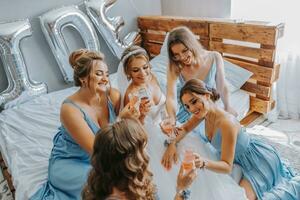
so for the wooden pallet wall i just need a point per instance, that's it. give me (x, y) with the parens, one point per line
(250, 45)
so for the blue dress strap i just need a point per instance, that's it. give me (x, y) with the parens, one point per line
(112, 113)
(69, 101)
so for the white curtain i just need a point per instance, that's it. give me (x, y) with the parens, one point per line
(287, 89)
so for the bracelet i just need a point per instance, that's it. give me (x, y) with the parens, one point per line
(169, 141)
(184, 194)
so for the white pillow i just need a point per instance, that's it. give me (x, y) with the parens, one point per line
(159, 66)
(235, 76)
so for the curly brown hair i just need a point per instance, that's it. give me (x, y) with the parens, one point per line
(120, 161)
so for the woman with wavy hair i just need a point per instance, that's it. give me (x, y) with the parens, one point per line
(93, 106)
(121, 165)
(265, 175)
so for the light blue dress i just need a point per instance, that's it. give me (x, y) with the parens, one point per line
(262, 167)
(182, 114)
(69, 164)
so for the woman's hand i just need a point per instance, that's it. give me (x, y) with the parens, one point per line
(199, 161)
(129, 111)
(144, 108)
(170, 156)
(185, 180)
(167, 126)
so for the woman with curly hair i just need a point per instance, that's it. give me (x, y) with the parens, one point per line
(94, 105)
(121, 165)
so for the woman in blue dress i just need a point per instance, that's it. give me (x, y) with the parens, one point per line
(265, 176)
(187, 60)
(92, 107)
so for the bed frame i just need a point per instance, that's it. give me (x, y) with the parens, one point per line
(249, 44)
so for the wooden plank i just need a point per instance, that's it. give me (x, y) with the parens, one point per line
(257, 89)
(250, 117)
(244, 32)
(257, 53)
(166, 24)
(152, 48)
(159, 38)
(260, 73)
(260, 105)
(153, 37)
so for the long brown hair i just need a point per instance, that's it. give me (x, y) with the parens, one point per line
(186, 37)
(82, 61)
(199, 87)
(119, 161)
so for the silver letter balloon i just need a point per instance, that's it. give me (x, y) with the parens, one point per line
(19, 83)
(109, 27)
(53, 22)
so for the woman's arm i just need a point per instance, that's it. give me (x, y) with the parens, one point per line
(79, 130)
(171, 99)
(126, 98)
(221, 85)
(115, 97)
(187, 127)
(229, 132)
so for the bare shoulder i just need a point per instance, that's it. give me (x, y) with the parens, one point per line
(69, 112)
(229, 124)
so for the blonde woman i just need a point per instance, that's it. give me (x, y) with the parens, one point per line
(187, 60)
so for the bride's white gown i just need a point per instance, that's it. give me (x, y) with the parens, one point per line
(207, 186)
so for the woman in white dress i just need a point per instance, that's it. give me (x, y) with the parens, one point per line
(151, 104)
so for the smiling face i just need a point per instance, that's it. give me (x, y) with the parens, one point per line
(196, 104)
(139, 70)
(182, 54)
(98, 78)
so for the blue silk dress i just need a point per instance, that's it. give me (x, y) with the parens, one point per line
(69, 164)
(182, 114)
(262, 167)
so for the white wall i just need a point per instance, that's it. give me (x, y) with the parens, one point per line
(197, 8)
(41, 63)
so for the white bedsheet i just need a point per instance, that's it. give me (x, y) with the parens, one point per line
(26, 134)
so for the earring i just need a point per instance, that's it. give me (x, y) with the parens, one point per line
(128, 77)
(83, 84)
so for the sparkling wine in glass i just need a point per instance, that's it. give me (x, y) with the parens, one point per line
(188, 161)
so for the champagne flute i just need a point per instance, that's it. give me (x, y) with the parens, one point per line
(168, 126)
(188, 160)
(144, 96)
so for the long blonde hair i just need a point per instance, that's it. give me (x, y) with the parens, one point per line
(130, 54)
(186, 37)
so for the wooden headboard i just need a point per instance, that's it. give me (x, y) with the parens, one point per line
(250, 44)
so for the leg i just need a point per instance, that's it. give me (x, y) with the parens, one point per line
(248, 189)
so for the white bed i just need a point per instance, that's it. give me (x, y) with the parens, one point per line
(26, 133)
